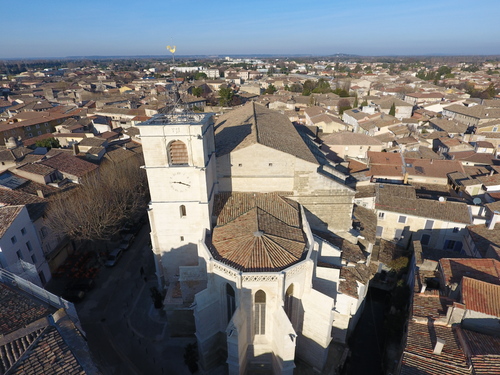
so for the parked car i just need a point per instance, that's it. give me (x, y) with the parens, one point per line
(113, 257)
(126, 241)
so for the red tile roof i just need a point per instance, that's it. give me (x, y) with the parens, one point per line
(70, 164)
(484, 352)
(419, 350)
(454, 270)
(257, 232)
(17, 311)
(481, 296)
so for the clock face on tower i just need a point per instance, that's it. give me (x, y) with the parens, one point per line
(179, 181)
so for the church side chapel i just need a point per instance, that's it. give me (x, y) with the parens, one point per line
(233, 205)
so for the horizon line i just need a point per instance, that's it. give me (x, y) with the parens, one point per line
(268, 55)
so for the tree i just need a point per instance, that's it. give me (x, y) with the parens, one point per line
(343, 105)
(197, 91)
(322, 87)
(355, 105)
(48, 143)
(102, 203)
(392, 111)
(271, 89)
(225, 96)
(296, 87)
(200, 75)
(308, 87)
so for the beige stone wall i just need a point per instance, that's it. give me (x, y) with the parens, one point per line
(441, 230)
(261, 169)
(255, 168)
(354, 151)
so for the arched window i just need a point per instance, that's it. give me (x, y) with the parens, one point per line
(260, 313)
(182, 210)
(230, 302)
(289, 302)
(177, 153)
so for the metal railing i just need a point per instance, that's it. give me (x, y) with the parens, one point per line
(43, 295)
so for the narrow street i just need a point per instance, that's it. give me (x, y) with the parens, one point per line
(367, 341)
(126, 334)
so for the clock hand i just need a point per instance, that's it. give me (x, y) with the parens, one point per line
(182, 183)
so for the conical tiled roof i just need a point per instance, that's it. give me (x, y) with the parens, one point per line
(257, 232)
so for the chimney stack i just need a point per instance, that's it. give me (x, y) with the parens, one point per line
(438, 348)
(40, 194)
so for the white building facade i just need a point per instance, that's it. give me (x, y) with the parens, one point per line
(231, 213)
(20, 249)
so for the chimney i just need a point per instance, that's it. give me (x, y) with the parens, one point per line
(432, 161)
(75, 149)
(438, 348)
(493, 220)
(424, 287)
(492, 172)
(40, 194)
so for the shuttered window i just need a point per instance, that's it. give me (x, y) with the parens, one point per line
(177, 153)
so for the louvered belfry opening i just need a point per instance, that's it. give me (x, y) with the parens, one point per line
(178, 153)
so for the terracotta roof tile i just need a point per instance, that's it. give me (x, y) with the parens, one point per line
(253, 124)
(257, 232)
(402, 199)
(487, 270)
(484, 352)
(419, 349)
(17, 310)
(70, 164)
(481, 296)
(37, 168)
(7, 216)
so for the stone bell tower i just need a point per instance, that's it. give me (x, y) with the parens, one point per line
(179, 152)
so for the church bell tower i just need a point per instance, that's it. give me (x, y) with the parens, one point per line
(179, 153)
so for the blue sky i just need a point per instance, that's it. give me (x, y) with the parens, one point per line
(58, 28)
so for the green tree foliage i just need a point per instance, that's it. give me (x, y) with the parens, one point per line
(443, 70)
(399, 264)
(471, 69)
(322, 87)
(308, 87)
(355, 105)
(343, 93)
(197, 91)
(225, 96)
(271, 89)
(48, 143)
(392, 111)
(200, 75)
(364, 103)
(296, 87)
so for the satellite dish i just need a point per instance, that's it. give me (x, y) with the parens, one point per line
(477, 201)
(441, 199)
